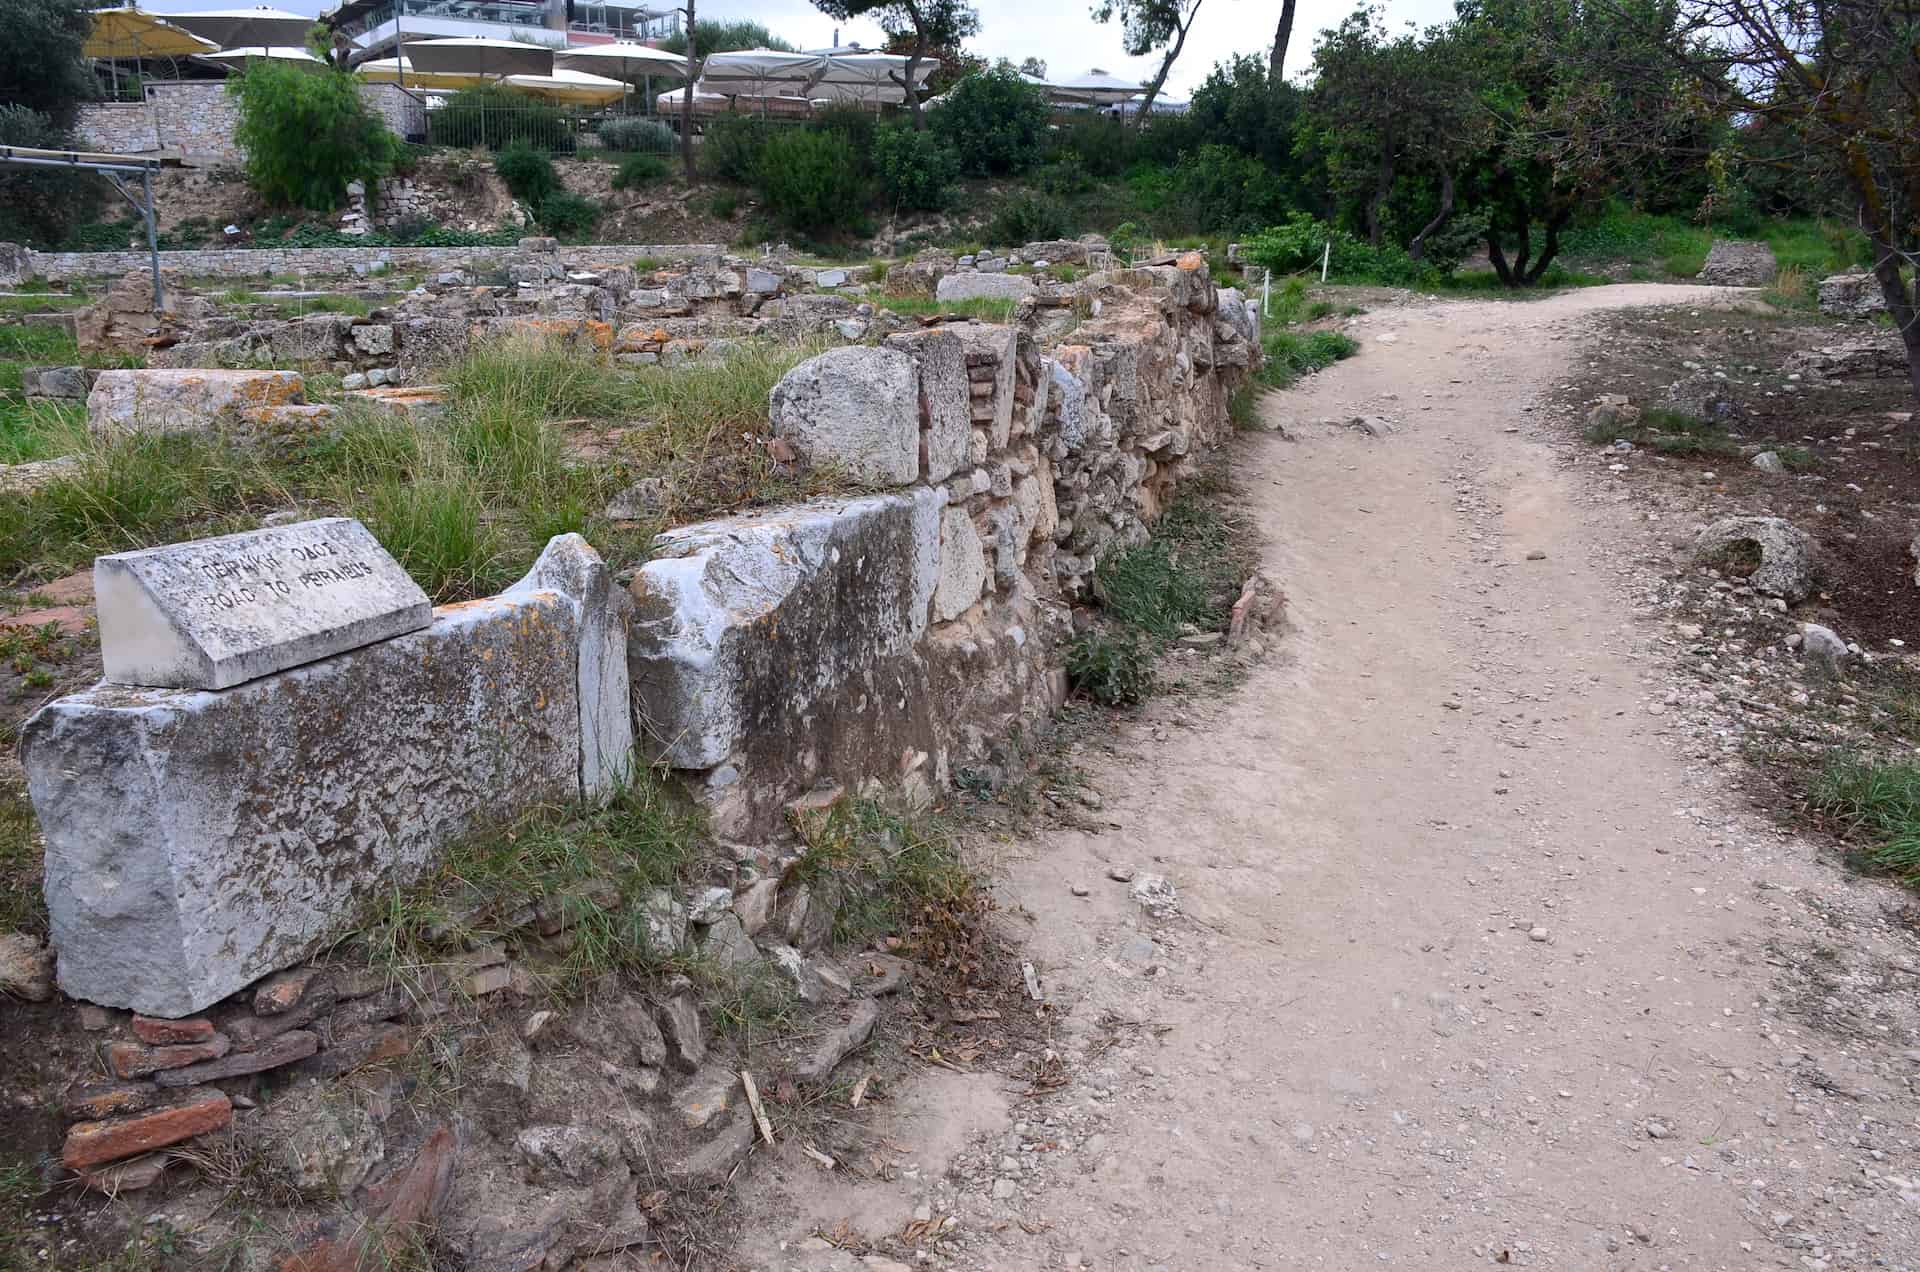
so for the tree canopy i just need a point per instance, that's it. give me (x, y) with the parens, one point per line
(40, 63)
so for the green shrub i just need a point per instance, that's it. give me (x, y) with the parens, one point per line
(497, 117)
(640, 170)
(568, 215)
(1297, 243)
(1878, 803)
(1097, 143)
(1288, 355)
(1115, 668)
(639, 136)
(731, 148)
(915, 168)
(724, 205)
(306, 135)
(41, 206)
(809, 180)
(529, 174)
(1028, 218)
(1066, 176)
(1222, 189)
(994, 120)
(857, 124)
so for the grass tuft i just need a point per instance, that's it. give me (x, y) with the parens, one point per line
(893, 874)
(1876, 804)
(1290, 355)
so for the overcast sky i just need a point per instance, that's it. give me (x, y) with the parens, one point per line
(1059, 32)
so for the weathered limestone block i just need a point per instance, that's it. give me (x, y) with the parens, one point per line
(197, 841)
(1850, 296)
(215, 612)
(185, 401)
(857, 408)
(743, 625)
(1779, 557)
(373, 339)
(940, 361)
(963, 566)
(571, 567)
(55, 382)
(319, 339)
(16, 264)
(427, 344)
(976, 286)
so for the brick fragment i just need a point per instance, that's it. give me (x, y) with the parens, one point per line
(110, 1099)
(163, 1033)
(283, 991)
(137, 1060)
(91, 1144)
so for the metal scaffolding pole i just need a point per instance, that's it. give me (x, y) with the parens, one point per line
(115, 168)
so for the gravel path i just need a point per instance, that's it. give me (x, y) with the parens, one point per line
(1471, 964)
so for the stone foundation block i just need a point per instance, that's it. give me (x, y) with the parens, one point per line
(741, 624)
(185, 401)
(199, 840)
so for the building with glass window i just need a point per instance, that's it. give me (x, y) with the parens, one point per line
(381, 26)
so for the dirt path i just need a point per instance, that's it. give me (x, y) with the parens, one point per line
(1472, 965)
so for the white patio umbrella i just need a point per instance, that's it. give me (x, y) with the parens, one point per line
(624, 59)
(475, 55)
(571, 86)
(237, 59)
(867, 77)
(760, 72)
(1094, 86)
(259, 27)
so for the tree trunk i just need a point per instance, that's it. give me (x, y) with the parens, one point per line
(1166, 65)
(1498, 257)
(1276, 61)
(686, 102)
(1555, 222)
(1382, 187)
(1901, 300)
(913, 67)
(1417, 249)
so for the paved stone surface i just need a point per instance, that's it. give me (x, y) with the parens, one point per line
(213, 613)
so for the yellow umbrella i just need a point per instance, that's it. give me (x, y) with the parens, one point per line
(395, 70)
(131, 32)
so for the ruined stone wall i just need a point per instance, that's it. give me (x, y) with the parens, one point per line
(319, 262)
(904, 637)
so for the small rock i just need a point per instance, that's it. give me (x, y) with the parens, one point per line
(1156, 894)
(1003, 1189)
(679, 1021)
(1822, 644)
(1769, 462)
(1120, 874)
(1537, 934)
(1536, 555)
(1658, 1130)
(1079, 889)
(26, 967)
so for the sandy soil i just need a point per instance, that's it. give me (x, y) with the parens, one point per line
(1471, 965)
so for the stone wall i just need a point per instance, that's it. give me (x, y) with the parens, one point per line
(317, 262)
(901, 637)
(120, 128)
